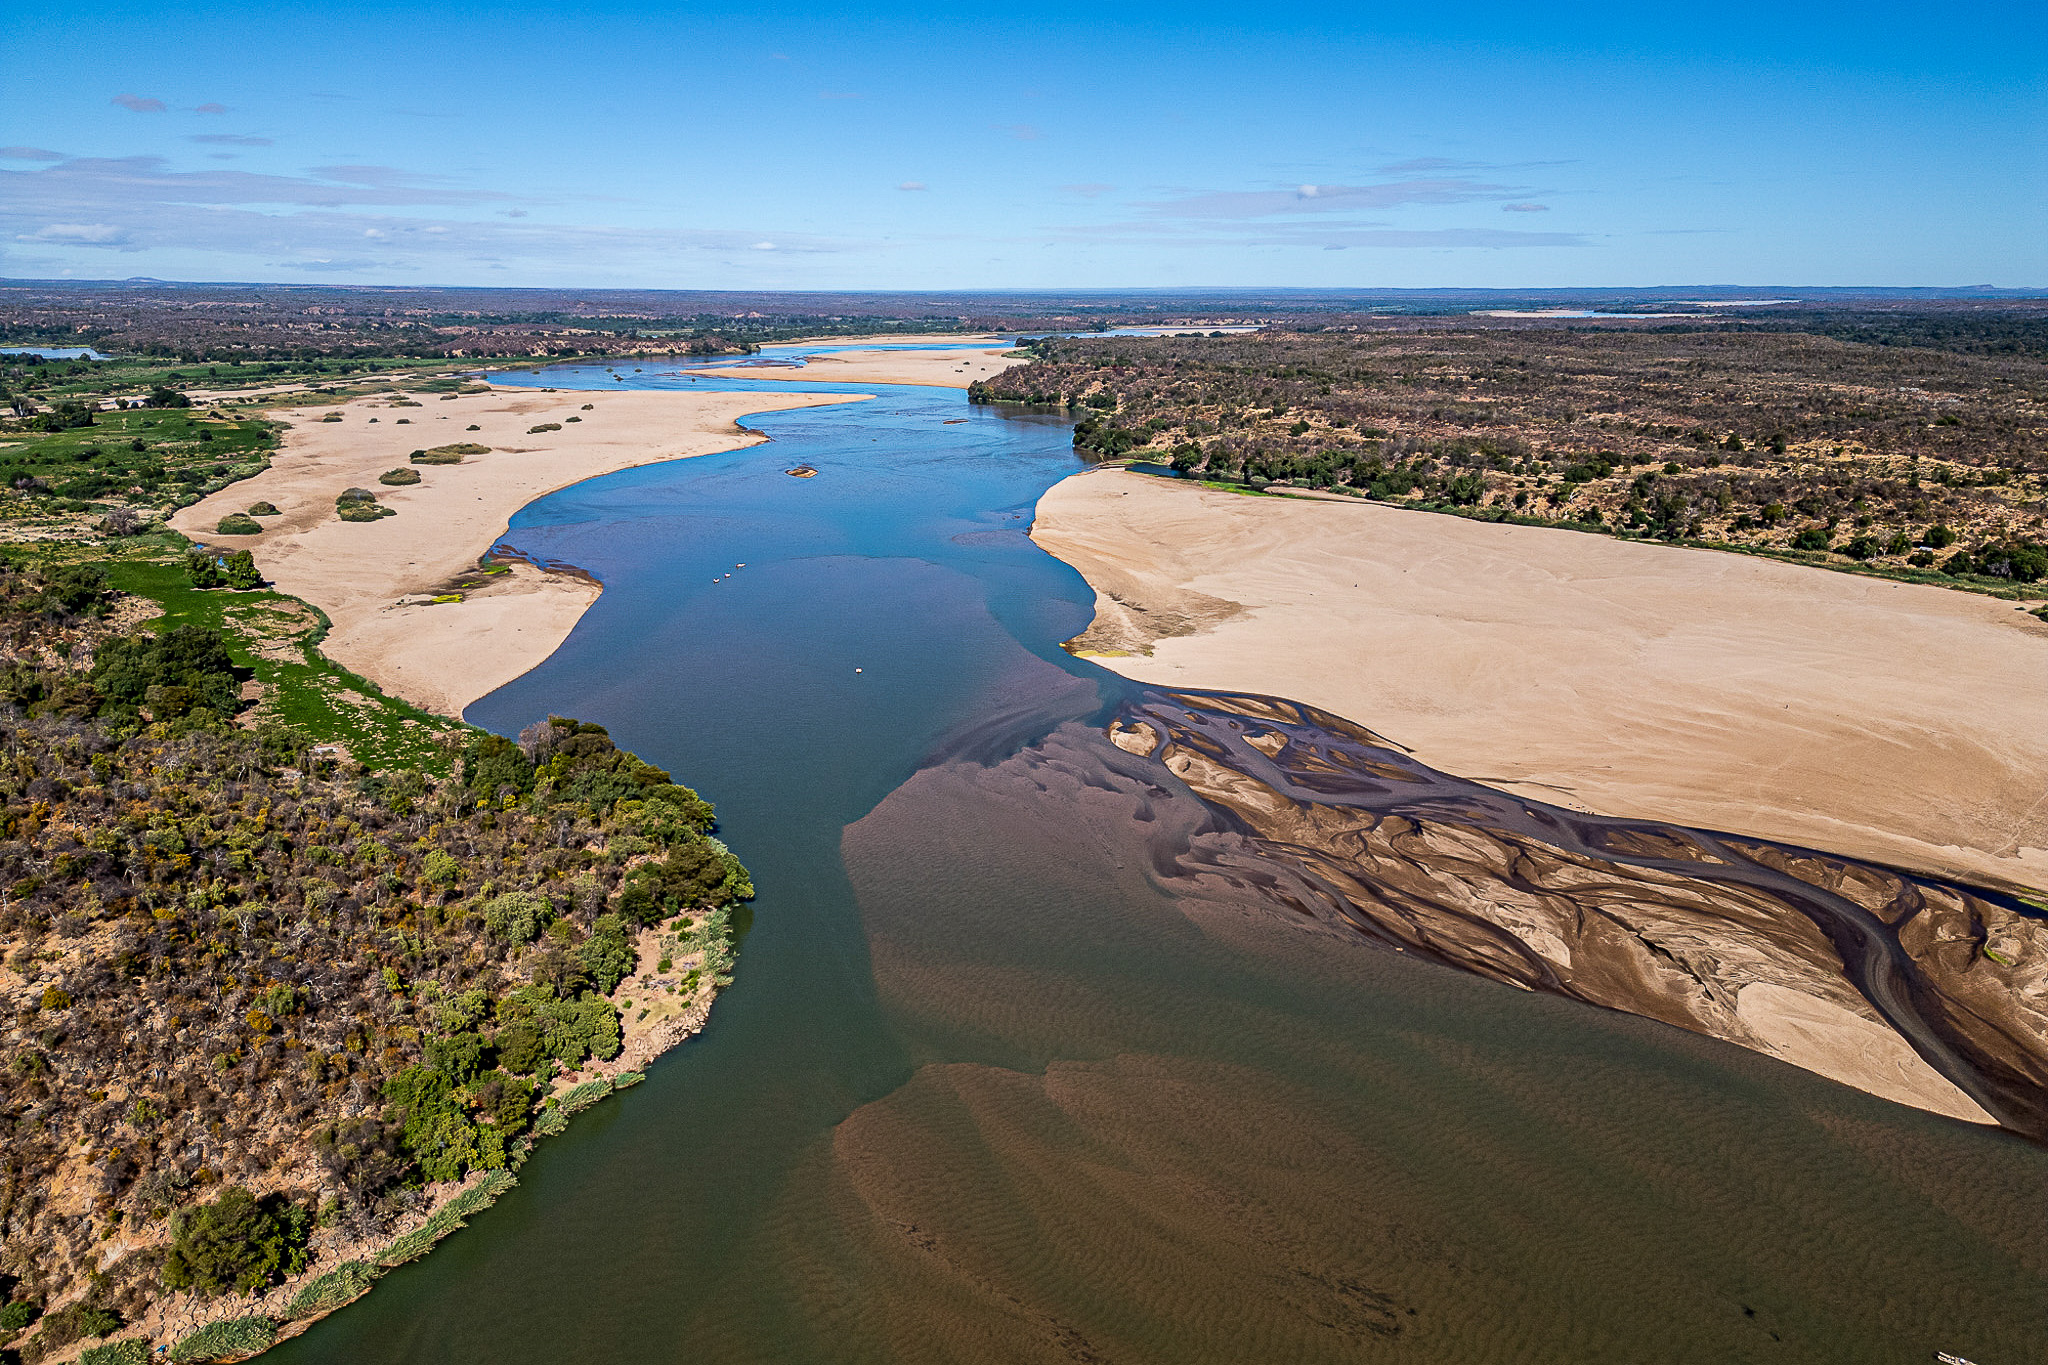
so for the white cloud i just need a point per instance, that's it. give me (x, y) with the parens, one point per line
(913, 185)
(1242, 204)
(139, 104)
(80, 234)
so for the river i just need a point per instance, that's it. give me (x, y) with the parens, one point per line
(991, 1085)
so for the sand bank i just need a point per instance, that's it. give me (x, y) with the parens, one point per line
(955, 365)
(371, 578)
(1897, 723)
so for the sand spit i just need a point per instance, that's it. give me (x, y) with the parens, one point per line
(955, 367)
(375, 580)
(1887, 721)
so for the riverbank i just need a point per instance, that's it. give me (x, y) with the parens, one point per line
(377, 581)
(1897, 723)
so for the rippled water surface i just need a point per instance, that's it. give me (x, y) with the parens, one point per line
(992, 1085)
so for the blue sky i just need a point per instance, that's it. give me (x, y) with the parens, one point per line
(1041, 146)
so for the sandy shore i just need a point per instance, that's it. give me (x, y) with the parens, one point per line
(371, 578)
(956, 365)
(1897, 723)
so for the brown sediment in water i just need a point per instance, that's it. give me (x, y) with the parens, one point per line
(1917, 990)
(1170, 1116)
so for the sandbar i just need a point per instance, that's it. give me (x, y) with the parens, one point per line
(373, 578)
(1899, 723)
(956, 364)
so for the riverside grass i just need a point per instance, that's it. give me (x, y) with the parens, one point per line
(343, 1284)
(228, 1339)
(128, 1351)
(447, 1218)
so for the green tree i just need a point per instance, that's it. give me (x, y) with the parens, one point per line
(607, 956)
(517, 916)
(203, 569)
(188, 660)
(241, 571)
(238, 1242)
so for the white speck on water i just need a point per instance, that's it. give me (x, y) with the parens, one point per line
(856, 670)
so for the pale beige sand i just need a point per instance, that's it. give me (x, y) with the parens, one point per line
(1849, 1047)
(445, 657)
(955, 367)
(1892, 722)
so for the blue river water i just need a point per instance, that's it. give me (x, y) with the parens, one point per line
(984, 1090)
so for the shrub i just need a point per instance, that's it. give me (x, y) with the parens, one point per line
(449, 454)
(122, 521)
(517, 916)
(238, 524)
(544, 426)
(263, 509)
(235, 1337)
(18, 1314)
(1812, 538)
(399, 477)
(237, 1242)
(132, 1351)
(237, 570)
(73, 590)
(359, 504)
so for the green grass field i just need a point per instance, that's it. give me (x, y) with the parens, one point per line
(275, 636)
(169, 454)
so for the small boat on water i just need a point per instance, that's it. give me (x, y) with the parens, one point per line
(1946, 1359)
(802, 471)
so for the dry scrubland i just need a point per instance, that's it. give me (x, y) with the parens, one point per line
(1844, 451)
(265, 1012)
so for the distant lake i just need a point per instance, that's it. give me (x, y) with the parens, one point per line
(56, 352)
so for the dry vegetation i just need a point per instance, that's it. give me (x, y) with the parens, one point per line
(1904, 456)
(258, 1005)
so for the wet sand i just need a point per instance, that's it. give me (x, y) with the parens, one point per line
(374, 579)
(1887, 721)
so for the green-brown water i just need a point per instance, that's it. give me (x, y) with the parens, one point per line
(993, 1084)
